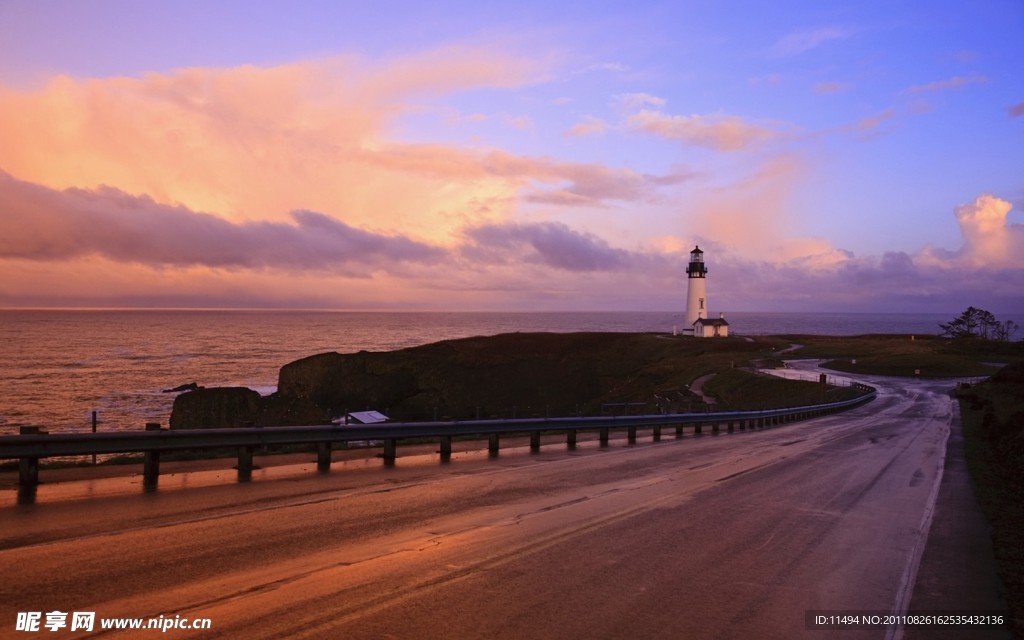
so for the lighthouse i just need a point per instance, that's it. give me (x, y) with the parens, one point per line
(696, 290)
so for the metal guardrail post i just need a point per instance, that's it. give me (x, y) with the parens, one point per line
(535, 440)
(657, 434)
(245, 463)
(603, 436)
(570, 438)
(493, 444)
(446, 447)
(151, 463)
(631, 434)
(323, 456)
(390, 450)
(28, 472)
(28, 469)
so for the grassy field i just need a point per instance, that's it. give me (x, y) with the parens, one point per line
(909, 356)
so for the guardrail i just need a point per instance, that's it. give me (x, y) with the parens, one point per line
(30, 447)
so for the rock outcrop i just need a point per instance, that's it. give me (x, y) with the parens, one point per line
(216, 408)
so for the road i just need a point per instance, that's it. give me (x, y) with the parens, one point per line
(713, 536)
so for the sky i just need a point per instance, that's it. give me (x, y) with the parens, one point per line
(530, 155)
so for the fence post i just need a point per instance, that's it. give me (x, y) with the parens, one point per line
(245, 463)
(323, 456)
(151, 463)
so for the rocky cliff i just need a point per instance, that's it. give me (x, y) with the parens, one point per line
(518, 374)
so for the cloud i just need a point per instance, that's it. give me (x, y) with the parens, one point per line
(104, 246)
(41, 224)
(1016, 111)
(588, 126)
(770, 80)
(830, 87)
(753, 214)
(985, 271)
(955, 82)
(721, 133)
(254, 143)
(989, 240)
(633, 101)
(613, 67)
(868, 127)
(803, 41)
(552, 244)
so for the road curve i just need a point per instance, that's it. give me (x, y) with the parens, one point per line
(713, 536)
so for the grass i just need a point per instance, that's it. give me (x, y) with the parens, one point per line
(993, 422)
(737, 389)
(909, 356)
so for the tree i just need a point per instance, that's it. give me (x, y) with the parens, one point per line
(978, 323)
(1006, 330)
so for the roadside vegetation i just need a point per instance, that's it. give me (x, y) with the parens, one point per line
(910, 356)
(993, 422)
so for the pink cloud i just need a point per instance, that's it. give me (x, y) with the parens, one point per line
(45, 225)
(588, 126)
(806, 40)
(256, 142)
(107, 247)
(830, 87)
(989, 240)
(955, 82)
(722, 133)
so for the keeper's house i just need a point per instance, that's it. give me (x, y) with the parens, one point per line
(717, 328)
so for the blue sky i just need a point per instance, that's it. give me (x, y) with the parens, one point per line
(828, 156)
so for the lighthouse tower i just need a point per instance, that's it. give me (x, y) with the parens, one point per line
(696, 290)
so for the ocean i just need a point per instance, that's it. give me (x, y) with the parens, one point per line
(61, 365)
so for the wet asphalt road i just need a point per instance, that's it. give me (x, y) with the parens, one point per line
(713, 536)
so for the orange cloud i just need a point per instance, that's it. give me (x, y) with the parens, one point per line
(753, 214)
(989, 241)
(255, 142)
(588, 126)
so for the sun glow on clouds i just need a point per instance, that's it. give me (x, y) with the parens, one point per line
(255, 143)
(293, 185)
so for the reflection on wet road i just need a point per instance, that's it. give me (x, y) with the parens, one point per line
(734, 535)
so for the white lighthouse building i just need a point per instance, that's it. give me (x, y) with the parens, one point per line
(697, 322)
(696, 290)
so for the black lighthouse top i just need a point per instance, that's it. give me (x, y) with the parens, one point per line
(696, 268)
